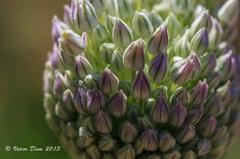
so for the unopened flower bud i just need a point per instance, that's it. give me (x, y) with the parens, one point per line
(186, 133)
(200, 42)
(173, 25)
(209, 63)
(108, 156)
(95, 101)
(103, 123)
(106, 50)
(55, 57)
(122, 34)
(178, 115)
(142, 24)
(206, 128)
(175, 154)
(216, 33)
(141, 87)
(160, 111)
(85, 138)
(118, 104)
(57, 28)
(98, 5)
(213, 79)
(158, 68)
(93, 152)
(195, 115)
(58, 84)
(128, 132)
(109, 82)
(85, 16)
(67, 99)
(92, 80)
(155, 19)
(189, 155)
(144, 123)
(226, 93)
(203, 20)
(214, 105)
(229, 12)
(124, 8)
(166, 141)
(226, 65)
(100, 33)
(106, 143)
(219, 134)
(117, 60)
(150, 139)
(203, 147)
(80, 100)
(83, 66)
(198, 95)
(126, 152)
(179, 96)
(71, 130)
(134, 56)
(182, 47)
(159, 41)
(110, 22)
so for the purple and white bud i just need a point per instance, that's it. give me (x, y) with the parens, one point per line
(195, 115)
(149, 138)
(95, 101)
(182, 47)
(206, 127)
(55, 57)
(128, 132)
(186, 133)
(159, 41)
(200, 42)
(134, 56)
(178, 115)
(142, 24)
(160, 111)
(82, 66)
(209, 63)
(122, 34)
(166, 142)
(141, 86)
(198, 95)
(118, 104)
(80, 101)
(103, 123)
(57, 28)
(109, 82)
(59, 84)
(158, 68)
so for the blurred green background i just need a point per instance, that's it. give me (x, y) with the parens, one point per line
(24, 41)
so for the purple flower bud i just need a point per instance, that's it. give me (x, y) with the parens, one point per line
(80, 101)
(85, 138)
(141, 87)
(216, 33)
(179, 96)
(213, 80)
(178, 115)
(55, 57)
(82, 66)
(198, 95)
(128, 132)
(85, 16)
(203, 20)
(95, 101)
(199, 42)
(58, 84)
(186, 133)
(195, 115)
(158, 68)
(206, 128)
(106, 143)
(106, 50)
(126, 152)
(133, 56)
(109, 82)
(209, 63)
(122, 34)
(103, 123)
(68, 15)
(226, 65)
(142, 24)
(57, 28)
(159, 41)
(166, 141)
(203, 147)
(118, 104)
(149, 138)
(160, 111)
(214, 105)
(184, 70)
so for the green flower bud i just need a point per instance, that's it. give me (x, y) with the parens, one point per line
(155, 19)
(128, 132)
(67, 98)
(126, 152)
(109, 82)
(158, 68)
(182, 47)
(144, 123)
(166, 142)
(100, 32)
(209, 63)
(149, 138)
(124, 8)
(178, 115)
(179, 96)
(84, 139)
(103, 123)
(106, 143)
(49, 103)
(110, 22)
(122, 34)
(118, 104)
(106, 50)
(141, 87)
(53, 123)
(173, 25)
(138, 147)
(199, 43)
(133, 56)
(160, 111)
(83, 66)
(142, 24)
(92, 80)
(186, 133)
(117, 61)
(159, 41)
(213, 79)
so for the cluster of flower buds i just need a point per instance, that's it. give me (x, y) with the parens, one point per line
(140, 79)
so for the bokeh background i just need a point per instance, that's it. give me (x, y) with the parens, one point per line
(24, 41)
